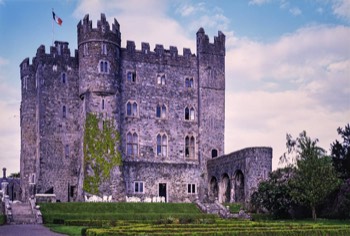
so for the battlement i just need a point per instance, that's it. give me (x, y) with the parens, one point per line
(204, 46)
(158, 50)
(59, 50)
(103, 32)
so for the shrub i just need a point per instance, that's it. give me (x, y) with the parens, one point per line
(2, 219)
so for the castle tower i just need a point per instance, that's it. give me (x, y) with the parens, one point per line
(99, 79)
(211, 72)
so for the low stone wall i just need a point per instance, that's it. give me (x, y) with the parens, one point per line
(39, 198)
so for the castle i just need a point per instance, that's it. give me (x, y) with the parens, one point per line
(167, 109)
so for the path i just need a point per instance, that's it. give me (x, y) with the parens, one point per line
(26, 230)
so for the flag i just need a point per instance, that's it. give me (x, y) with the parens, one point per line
(56, 18)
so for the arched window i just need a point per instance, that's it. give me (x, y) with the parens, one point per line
(101, 66)
(162, 145)
(161, 111)
(189, 113)
(190, 147)
(64, 111)
(214, 153)
(189, 82)
(131, 108)
(104, 66)
(132, 146)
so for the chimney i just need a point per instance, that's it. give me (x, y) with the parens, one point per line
(4, 173)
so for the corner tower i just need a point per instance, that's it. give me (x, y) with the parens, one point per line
(211, 100)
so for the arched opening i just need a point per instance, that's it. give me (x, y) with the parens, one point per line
(239, 186)
(214, 153)
(225, 189)
(214, 189)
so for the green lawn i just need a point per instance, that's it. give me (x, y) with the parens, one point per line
(101, 219)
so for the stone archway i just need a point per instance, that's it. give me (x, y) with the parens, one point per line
(214, 189)
(239, 186)
(225, 189)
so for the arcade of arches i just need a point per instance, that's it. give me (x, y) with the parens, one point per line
(227, 189)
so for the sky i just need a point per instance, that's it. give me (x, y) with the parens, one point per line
(287, 62)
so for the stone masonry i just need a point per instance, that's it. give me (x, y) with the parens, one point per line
(168, 108)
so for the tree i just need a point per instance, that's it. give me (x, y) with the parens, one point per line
(274, 194)
(340, 153)
(315, 176)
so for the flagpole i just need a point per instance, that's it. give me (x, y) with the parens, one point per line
(53, 30)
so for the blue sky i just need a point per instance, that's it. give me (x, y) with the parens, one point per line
(287, 62)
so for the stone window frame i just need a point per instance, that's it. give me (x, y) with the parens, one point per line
(131, 76)
(190, 147)
(132, 144)
(191, 188)
(103, 66)
(161, 144)
(131, 108)
(189, 82)
(64, 77)
(104, 49)
(189, 113)
(85, 49)
(31, 179)
(161, 79)
(66, 150)
(64, 111)
(25, 82)
(161, 111)
(213, 152)
(139, 187)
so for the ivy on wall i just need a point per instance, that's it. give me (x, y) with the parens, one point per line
(101, 154)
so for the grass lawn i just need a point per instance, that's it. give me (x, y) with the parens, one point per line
(101, 219)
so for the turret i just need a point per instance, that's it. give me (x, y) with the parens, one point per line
(99, 56)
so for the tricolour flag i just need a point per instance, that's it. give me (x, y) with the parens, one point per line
(56, 18)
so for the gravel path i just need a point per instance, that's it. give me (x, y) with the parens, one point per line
(26, 230)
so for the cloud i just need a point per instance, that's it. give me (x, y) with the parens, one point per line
(258, 2)
(144, 21)
(341, 8)
(295, 11)
(3, 61)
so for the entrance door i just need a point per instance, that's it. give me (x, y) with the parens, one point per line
(162, 191)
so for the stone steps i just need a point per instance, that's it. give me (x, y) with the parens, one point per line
(22, 214)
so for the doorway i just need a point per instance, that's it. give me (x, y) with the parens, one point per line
(162, 191)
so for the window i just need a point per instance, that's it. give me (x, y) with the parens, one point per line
(104, 49)
(25, 78)
(189, 83)
(191, 188)
(85, 50)
(66, 150)
(32, 179)
(131, 108)
(104, 66)
(214, 153)
(103, 104)
(131, 76)
(138, 187)
(64, 112)
(161, 79)
(189, 147)
(162, 145)
(161, 111)
(189, 113)
(132, 144)
(63, 77)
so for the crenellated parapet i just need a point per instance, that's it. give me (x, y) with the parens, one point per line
(204, 46)
(168, 56)
(103, 32)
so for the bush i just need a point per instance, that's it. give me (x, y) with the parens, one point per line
(58, 221)
(2, 219)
